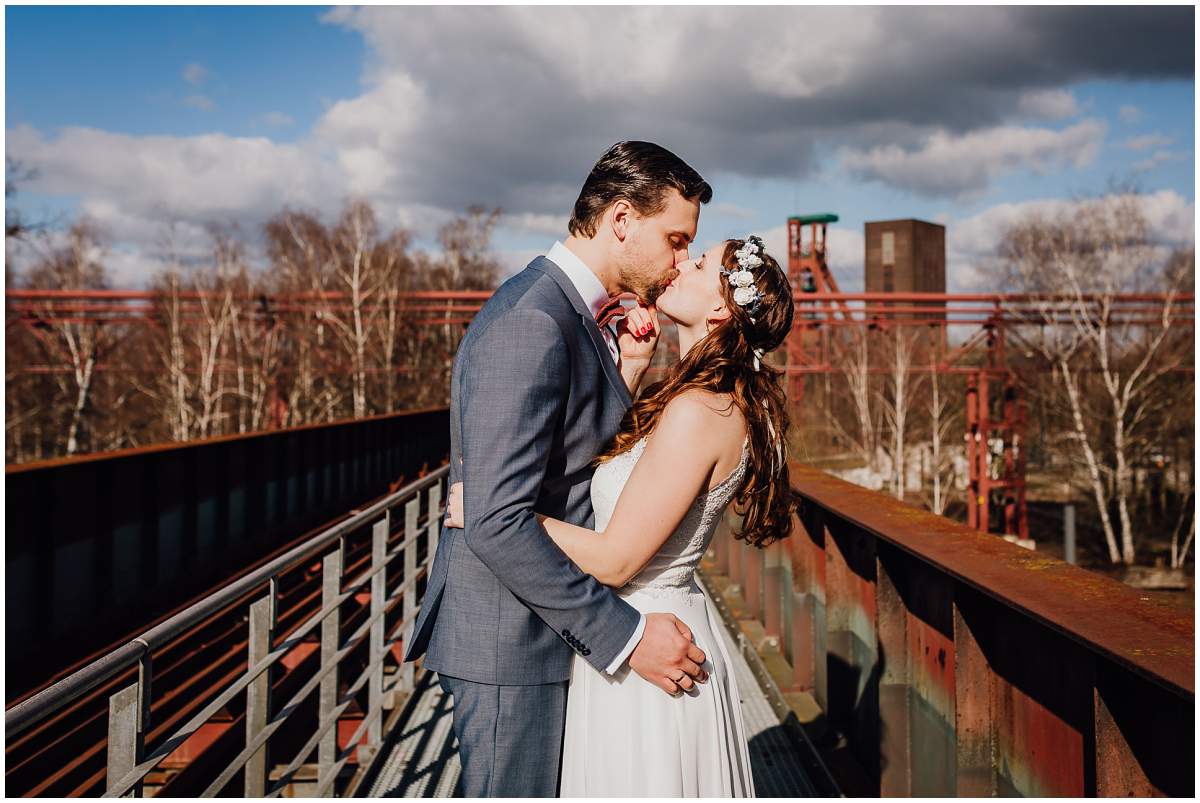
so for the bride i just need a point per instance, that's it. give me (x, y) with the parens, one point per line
(712, 431)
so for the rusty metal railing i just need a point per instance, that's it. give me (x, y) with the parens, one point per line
(131, 755)
(954, 663)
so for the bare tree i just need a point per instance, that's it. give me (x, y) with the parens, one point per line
(1081, 260)
(896, 401)
(81, 343)
(300, 252)
(325, 332)
(396, 270)
(942, 470)
(466, 261)
(852, 354)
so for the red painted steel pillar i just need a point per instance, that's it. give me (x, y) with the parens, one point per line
(972, 439)
(983, 454)
(1010, 460)
(1019, 430)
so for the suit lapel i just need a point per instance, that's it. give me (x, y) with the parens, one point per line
(611, 372)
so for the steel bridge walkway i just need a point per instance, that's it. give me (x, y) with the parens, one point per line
(419, 758)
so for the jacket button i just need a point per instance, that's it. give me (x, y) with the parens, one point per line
(585, 652)
(566, 632)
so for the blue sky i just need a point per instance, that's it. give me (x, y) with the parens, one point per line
(144, 117)
(122, 68)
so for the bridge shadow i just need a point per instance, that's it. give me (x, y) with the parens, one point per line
(422, 754)
(782, 764)
(850, 733)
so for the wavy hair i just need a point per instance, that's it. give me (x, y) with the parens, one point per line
(723, 362)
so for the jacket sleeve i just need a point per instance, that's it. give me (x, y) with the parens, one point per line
(514, 390)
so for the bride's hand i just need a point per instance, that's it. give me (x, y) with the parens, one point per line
(454, 507)
(637, 334)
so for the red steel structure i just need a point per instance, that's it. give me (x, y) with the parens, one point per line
(963, 334)
(982, 322)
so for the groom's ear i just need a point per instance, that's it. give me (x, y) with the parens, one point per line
(619, 216)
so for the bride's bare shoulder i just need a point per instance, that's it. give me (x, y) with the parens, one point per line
(712, 414)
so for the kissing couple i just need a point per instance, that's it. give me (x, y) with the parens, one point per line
(562, 612)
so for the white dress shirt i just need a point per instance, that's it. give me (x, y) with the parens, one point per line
(590, 289)
(595, 296)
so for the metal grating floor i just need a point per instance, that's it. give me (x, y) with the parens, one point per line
(420, 758)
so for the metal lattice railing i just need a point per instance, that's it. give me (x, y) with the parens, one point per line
(129, 706)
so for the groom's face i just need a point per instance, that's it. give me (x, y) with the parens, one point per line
(655, 244)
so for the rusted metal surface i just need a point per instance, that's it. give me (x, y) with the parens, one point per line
(100, 546)
(852, 648)
(1141, 732)
(962, 664)
(895, 739)
(809, 622)
(974, 747)
(945, 662)
(1108, 617)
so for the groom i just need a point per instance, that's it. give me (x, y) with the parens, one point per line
(536, 391)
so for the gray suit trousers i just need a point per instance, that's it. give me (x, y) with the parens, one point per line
(509, 737)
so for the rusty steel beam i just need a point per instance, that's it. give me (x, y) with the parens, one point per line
(961, 664)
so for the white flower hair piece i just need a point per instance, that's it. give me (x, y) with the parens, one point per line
(745, 291)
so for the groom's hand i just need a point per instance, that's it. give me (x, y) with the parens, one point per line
(666, 655)
(454, 507)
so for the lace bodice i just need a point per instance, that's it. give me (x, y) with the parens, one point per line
(672, 568)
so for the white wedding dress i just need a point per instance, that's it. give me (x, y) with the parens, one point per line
(625, 737)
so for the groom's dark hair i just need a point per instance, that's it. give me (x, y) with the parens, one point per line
(639, 172)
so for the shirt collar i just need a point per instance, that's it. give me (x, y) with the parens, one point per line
(590, 289)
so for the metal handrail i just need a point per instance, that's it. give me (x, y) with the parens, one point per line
(129, 706)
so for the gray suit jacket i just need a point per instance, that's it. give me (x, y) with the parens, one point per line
(534, 396)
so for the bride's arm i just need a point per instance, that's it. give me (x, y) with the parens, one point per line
(672, 471)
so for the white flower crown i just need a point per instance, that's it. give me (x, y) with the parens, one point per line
(746, 294)
(745, 291)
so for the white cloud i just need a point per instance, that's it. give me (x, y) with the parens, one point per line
(195, 74)
(1153, 161)
(530, 223)
(1048, 104)
(200, 178)
(201, 102)
(732, 210)
(276, 119)
(971, 243)
(1147, 141)
(962, 165)
(1129, 114)
(514, 104)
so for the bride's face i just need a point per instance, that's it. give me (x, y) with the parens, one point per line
(694, 296)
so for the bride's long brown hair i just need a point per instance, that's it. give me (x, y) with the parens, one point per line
(723, 362)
